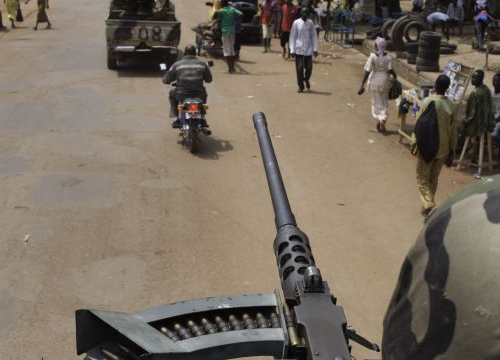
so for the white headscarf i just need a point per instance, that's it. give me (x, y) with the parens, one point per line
(381, 46)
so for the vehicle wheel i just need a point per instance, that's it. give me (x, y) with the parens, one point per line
(386, 28)
(397, 33)
(412, 31)
(433, 68)
(112, 62)
(193, 141)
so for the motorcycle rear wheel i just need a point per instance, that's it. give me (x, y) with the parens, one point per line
(191, 140)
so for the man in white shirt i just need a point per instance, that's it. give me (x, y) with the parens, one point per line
(303, 45)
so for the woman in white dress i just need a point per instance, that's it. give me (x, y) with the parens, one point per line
(378, 69)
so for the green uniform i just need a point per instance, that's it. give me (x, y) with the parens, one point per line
(446, 302)
(428, 173)
(227, 16)
(480, 115)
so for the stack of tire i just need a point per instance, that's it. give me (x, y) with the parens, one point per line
(429, 46)
(411, 52)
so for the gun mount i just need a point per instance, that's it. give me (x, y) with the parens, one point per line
(307, 325)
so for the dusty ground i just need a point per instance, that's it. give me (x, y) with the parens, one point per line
(102, 208)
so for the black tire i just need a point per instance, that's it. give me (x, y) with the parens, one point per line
(386, 28)
(412, 47)
(412, 31)
(449, 45)
(390, 45)
(430, 39)
(431, 68)
(397, 32)
(431, 36)
(429, 45)
(446, 50)
(193, 141)
(112, 62)
(429, 54)
(426, 62)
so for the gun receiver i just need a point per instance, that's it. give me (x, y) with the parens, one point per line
(321, 324)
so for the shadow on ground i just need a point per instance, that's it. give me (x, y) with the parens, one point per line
(210, 147)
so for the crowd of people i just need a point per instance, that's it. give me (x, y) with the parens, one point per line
(297, 29)
(14, 14)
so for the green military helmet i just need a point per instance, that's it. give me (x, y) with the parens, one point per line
(446, 304)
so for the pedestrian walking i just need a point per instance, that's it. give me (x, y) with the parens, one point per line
(378, 70)
(303, 45)
(288, 14)
(267, 21)
(12, 7)
(428, 170)
(277, 18)
(227, 16)
(41, 16)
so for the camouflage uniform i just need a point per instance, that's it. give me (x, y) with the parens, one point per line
(446, 304)
(428, 173)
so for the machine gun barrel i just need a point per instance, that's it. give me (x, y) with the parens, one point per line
(320, 323)
(283, 212)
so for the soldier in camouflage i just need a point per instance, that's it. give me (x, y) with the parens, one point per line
(447, 301)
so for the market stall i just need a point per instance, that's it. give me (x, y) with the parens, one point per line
(411, 99)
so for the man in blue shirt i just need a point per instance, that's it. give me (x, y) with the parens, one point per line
(440, 18)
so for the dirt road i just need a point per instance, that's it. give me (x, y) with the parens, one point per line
(101, 207)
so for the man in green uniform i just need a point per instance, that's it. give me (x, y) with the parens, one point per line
(446, 302)
(428, 172)
(227, 17)
(479, 115)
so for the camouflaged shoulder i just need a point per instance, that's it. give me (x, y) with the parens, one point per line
(446, 303)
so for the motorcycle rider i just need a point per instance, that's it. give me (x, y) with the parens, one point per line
(446, 303)
(190, 73)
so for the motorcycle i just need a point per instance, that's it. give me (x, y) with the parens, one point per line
(191, 119)
(208, 36)
(192, 122)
